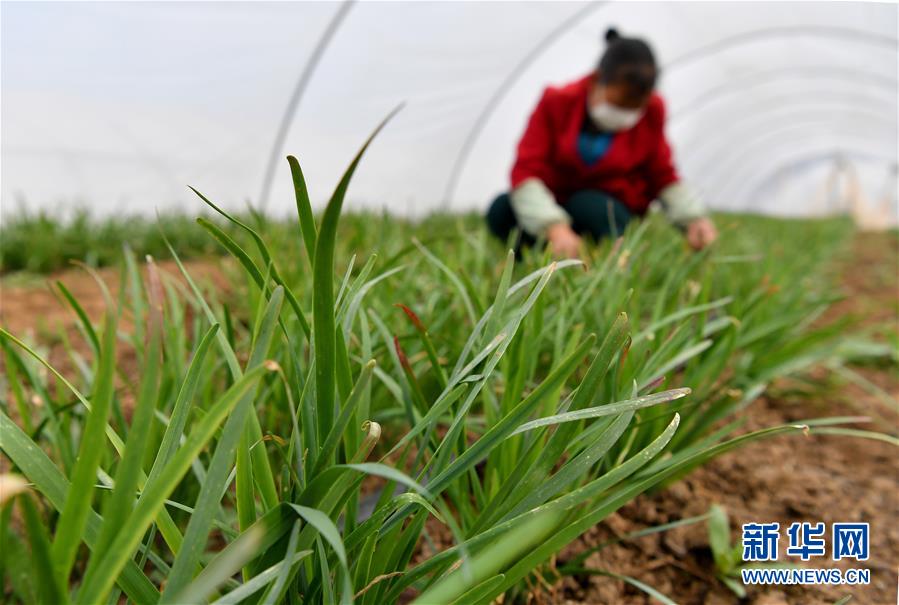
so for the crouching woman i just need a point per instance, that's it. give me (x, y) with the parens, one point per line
(593, 157)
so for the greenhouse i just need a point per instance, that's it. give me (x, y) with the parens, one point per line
(449, 302)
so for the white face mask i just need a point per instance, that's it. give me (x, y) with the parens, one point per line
(611, 117)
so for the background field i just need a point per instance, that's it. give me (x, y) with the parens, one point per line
(783, 322)
(327, 385)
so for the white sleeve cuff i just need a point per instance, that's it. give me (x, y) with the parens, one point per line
(535, 207)
(681, 205)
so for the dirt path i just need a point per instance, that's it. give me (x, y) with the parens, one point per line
(37, 308)
(787, 479)
(817, 478)
(37, 312)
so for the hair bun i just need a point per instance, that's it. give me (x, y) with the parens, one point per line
(612, 34)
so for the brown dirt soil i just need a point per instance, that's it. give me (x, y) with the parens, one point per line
(815, 478)
(786, 479)
(37, 312)
(38, 309)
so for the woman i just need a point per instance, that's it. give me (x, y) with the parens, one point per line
(594, 155)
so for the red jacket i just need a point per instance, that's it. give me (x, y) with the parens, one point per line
(634, 169)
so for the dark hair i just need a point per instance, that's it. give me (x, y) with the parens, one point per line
(628, 61)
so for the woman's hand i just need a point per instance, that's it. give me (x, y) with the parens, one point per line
(563, 240)
(700, 233)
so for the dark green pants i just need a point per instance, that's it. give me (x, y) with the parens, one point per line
(594, 214)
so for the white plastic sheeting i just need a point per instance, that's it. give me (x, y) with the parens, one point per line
(118, 106)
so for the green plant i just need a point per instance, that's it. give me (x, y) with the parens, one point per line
(43, 242)
(282, 528)
(301, 440)
(728, 557)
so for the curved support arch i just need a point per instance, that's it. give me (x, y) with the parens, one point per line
(727, 159)
(732, 187)
(760, 119)
(785, 166)
(823, 72)
(297, 95)
(685, 59)
(753, 186)
(499, 94)
(823, 31)
(726, 185)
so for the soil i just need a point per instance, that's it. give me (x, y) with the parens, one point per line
(31, 307)
(34, 310)
(795, 478)
(786, 479)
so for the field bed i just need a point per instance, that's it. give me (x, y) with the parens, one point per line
(820, 477)
(522, 403)
(826, 478)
